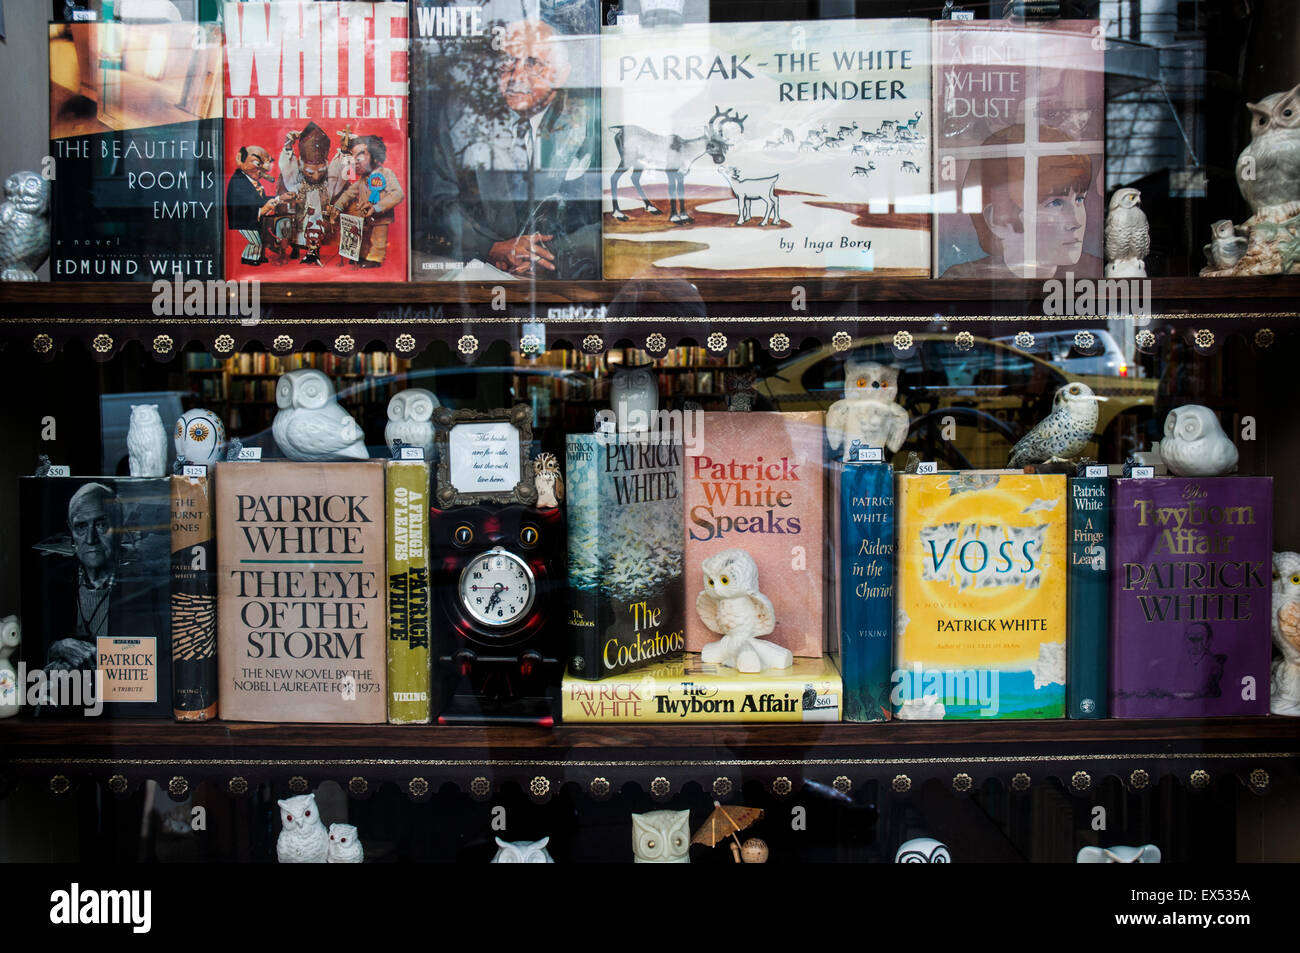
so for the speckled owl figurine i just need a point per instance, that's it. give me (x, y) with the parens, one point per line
(199, 437)
(1064, 433)
(11, 636)
(310, 425)
(662, 837)
(1128, 236)
(549, 482)
(1284, 697)
(1195, 445)
(731, 604)
(303, 838)
(523, 852)
(868, 415)
(344, 845)
(410, 419)
(24, 226)
(146, 442)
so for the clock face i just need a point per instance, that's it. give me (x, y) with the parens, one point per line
(497, 588)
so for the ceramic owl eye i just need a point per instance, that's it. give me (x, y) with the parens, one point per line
(1146, 854)
(922, 850)
(198, 436)
(1284, 697)
(345, 846)
(662, 837)
(522, 852)
(410, 420)
(1194, 444)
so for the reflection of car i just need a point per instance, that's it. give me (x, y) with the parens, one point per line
(968, 406)
(1063, 349)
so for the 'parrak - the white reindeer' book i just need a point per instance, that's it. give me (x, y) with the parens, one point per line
(767, 149)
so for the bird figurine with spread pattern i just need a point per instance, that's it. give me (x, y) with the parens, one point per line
(310, 425)
(1128, 236)
(24, 226)
(730, 604)
(1226, 247)
(1195, 445)
(1064, 433)
(199, 437)
(1284, 697)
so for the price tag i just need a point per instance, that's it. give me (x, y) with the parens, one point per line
(607, 426)
(249, 453)
(928, 467)
(59, 471)
(195, 470)
(870, 455)
(1096, 471)
(1142, 473)
(629, 21)
(963, 14)
(410, 453)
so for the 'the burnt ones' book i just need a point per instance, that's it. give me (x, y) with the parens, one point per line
(506, 153)
(1191, 597)
(194, 600)
(96, 594)
(135, 134)
(302, 589)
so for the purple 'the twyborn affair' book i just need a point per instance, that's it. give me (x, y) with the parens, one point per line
(1192, 588)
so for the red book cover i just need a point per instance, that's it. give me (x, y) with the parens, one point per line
(755, 481)
(316, 141)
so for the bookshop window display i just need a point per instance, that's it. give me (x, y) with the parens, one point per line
(406, 396)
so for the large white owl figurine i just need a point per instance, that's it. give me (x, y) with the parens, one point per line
(1128, 236)
(146, 442)
(24, 228)
(11, 635)
(303, 838)
(344, 845)
(310, 424)
(1268, 169)
(199, 437)
(523, 852)
(868, 414)
(731, 604)
(1284, 698)
(634, 398)
(922, 850)
(1195, 445)
(1064, 433)
(662, 837)
(1146, 854)
(410, 419)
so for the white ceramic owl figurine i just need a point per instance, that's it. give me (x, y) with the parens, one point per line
(199, 437)
(522, 852)
(661, 837)
(549, 482)
(310, 424)
(1284, 697)
(1268, 169)
(1064, 433)
(1195, 445)
(869, 413)
(303, 838)
(146, 442)
(731, 604)
(24, 228)
(634, 398)
(1146, 854)
(1128, 236)
(922, 850)
(11, 636)
(344, 845)
(410, 419)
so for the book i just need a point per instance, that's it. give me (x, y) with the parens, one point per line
(96, 574)
(1191, 597)
(1088, 586)
(301, 592)
(781, 149)
(316, 131)
(1009, 97)
(627, 596)
(863, 544)
(689, 691)
(409, 672)
(135, 135)
(506, 155)
(981, 599)
(194, 600)
(755, 481)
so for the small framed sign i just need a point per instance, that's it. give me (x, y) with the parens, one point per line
(483, 456)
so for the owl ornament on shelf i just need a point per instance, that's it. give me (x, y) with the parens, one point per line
(11, 636)
(1128, 236)
(310, 425)
(303, 838)
(1284, 697)
(523, 852)
(410, 420)
(1063, 434)
(344, 845)
(1146, 854)
(1226, 247)
(24, 226)
(922, 850)
(146, 442)
(868, 415)
(548, 480)
(199, 437)
(1195, 445)
(661, 837)
(730, 604)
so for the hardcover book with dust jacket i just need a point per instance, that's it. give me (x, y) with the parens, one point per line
(409, 669)
(194, 600)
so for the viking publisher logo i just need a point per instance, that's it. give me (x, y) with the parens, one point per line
(102, 907)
